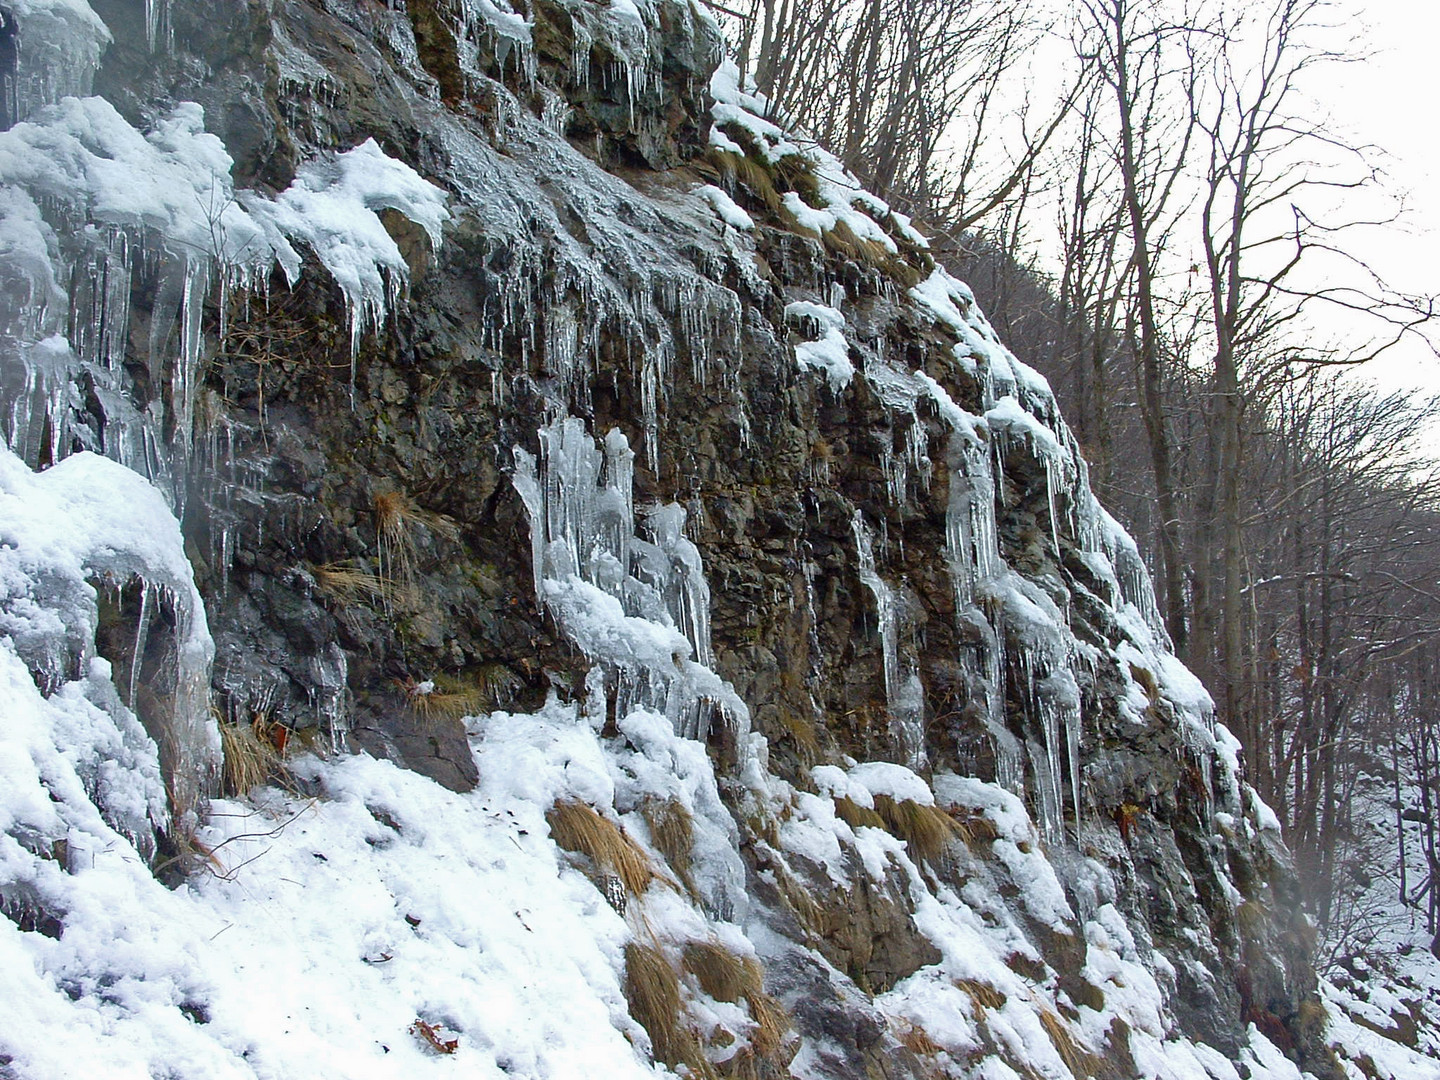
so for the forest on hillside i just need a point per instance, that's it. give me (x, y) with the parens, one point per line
(1163, 221)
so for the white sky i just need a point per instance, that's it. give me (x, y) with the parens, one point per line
(1390, 100)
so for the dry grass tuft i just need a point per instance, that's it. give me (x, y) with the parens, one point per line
(652, 990)
(348, 584)
(396, 519)
(725, 976)
(982, 995)
(772, 1023)
(926, 830)
(801, 728)
(918, 1041)
(855, 815)
(1250, 916)
(806, 909)
(1080, 1062)
(746, 172)
(720, 973)
(251, 756)
(577, 827)
(445, 698)
(672, 830)
(973, 827)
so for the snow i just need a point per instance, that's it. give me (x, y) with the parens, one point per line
(1008, 415)
(894, 781)
(85, 518)
(725, 207)
(842, 200)
(332, 206)
(829, 353)
(328, 924)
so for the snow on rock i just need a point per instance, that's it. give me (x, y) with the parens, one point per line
(894, 781)
(828, 352)
(725, 207)
(457, 911)
(89, 519)
(79, 186)
(332, 207)
(842, 199)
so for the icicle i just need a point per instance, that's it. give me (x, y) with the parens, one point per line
(1050, 492)
(330, 674)
(640, 608)
(904, 695)
(158, 33)
(687, 595)
(137, 652)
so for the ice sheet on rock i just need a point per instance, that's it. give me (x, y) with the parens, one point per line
(60, 43)
(904, 693)
(496, 26)
(1043, 653)
(114, 199)
(1007, 415)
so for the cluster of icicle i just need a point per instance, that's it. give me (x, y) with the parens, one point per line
(638, 608)
(91, 208)
(1028, 653)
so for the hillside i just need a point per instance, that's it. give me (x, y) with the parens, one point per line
(513, 562)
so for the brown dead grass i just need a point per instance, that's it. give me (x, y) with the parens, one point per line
(725, 976)
(672, 830)
(745, 171)
(652, 990)
(450, 698)
(982, 995)
(577, 827)
(396, 520)
(918, 1041)
(1080, 1062)
(926, 830)
(250, 756)
(802, 730)
(720, 973)
(855, 815)
(348, 584)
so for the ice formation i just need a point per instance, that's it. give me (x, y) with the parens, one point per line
(638, 608)
(88, 200)
(144, 981)
(84, 525)
(904, 693)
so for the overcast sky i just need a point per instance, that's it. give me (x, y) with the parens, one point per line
(1391, 100)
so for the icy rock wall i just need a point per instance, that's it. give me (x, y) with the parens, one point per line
(638, 608)
(414, 395)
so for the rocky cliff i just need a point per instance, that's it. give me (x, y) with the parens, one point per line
(541, 417)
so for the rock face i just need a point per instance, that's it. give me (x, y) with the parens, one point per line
(904, 561)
